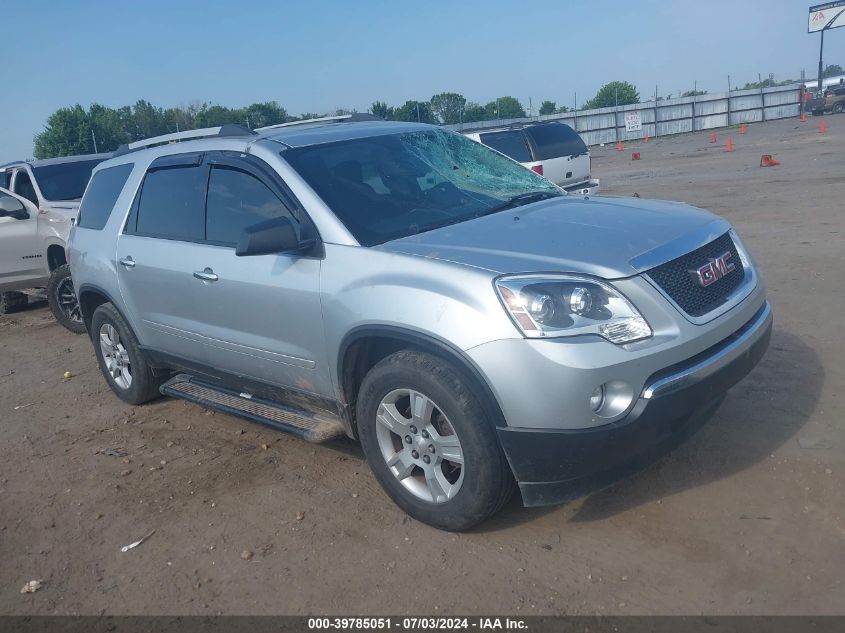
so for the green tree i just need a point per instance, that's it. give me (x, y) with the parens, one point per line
(831, 70)
(381, 109)
(67, 132)
(693, 93)
(448, 107)
(608, 94)
(505, 108)
(474, 112)
(548, 107)
(264, 114)
(415, 111)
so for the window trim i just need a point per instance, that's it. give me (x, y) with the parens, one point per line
(231, 159)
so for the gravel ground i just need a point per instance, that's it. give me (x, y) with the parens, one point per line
(747, 517)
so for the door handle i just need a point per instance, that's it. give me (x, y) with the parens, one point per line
(127, 262)
(206, 275)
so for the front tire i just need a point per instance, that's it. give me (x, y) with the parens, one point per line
(838, 107)
(12, 302)
(429, 442)
(63, 301)
(120, 359)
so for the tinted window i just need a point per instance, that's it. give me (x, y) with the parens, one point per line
(553, 140)
(237, 200)
(172, 203)
(390, 186)
(511, 144)
(101, 195)
(24, 188)
(65, 181)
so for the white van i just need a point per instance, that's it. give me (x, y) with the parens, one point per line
(551, 149)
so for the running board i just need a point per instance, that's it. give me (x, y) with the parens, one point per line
(309, 426)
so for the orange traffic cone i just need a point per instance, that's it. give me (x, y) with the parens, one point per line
(713, 137)
(803, 117)
(743, 128)
(645, 139)
(729, 146)
(822, 127)
(619, 147)
(635, 156)
(766, 160)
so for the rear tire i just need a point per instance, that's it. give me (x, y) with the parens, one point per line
(120, 359)
(452, 474)
(838, 107)
(63, 301)
(12, 302)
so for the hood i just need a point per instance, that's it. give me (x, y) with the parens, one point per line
(606, 237)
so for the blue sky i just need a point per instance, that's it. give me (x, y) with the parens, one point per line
(323, 55)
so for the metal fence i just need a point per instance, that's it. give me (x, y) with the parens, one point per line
(670, 116)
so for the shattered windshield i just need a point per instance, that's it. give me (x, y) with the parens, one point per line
(386, 187)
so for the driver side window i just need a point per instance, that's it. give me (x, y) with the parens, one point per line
(24, 188)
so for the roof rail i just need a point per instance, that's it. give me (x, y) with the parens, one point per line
(187, 135)
(340, 118)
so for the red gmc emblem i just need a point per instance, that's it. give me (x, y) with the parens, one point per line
(713, 270)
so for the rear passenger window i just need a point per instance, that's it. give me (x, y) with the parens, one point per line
(172, 204)
(553, 140)
(511, 144)
(6, 179)
(237, 200)
(101, 195)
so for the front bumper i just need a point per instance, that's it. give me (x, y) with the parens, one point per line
(553, 466)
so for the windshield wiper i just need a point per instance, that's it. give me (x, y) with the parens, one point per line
(518, 200)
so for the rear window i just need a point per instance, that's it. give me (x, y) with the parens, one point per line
(511, 144)
(172, 204)
(101, 196)
(65, 181)
(553, 140)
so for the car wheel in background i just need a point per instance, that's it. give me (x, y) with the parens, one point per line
(429, 443)
(12, 302)
(63, 301)
(120, 359)
(838, 107)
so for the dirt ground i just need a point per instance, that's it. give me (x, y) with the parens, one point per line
(747, 517)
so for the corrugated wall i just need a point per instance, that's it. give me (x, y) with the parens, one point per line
(671, 116)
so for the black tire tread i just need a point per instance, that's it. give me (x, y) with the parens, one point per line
(503, 484)
(145, 384)
(57, 276)
(12, 302)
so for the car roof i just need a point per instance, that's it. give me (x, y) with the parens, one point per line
(330, 132)
(57, 161)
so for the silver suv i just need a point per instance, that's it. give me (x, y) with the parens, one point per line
(472, 325)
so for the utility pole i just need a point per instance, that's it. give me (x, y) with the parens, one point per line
(821, 67)
(94, 138)
(418, 111)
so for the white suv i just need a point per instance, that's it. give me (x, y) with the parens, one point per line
(553, 150)
(38, 202)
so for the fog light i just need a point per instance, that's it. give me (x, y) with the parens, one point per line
(597, 399)
(612, 399)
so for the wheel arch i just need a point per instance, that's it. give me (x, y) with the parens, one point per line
(366, 345)
(56, 256)
(92, 297)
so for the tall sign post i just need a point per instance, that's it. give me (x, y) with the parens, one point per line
(824, 17)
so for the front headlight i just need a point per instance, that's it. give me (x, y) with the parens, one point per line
(565, 305)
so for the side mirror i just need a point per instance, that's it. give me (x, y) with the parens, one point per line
(270, 238)
(12, 208)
